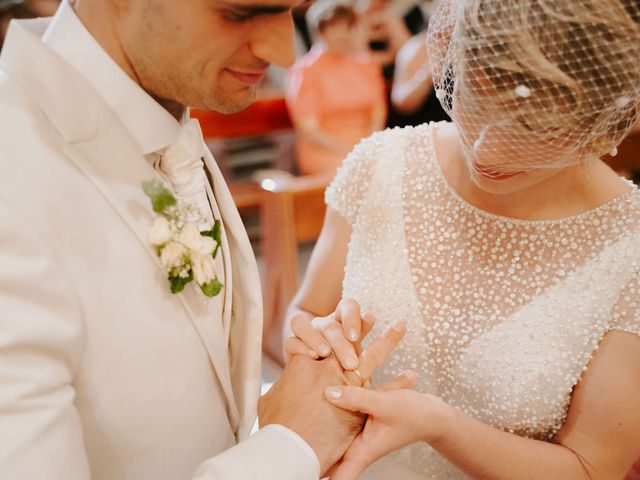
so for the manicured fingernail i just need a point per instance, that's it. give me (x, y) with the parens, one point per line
(398, 326)
(324, 349)
(351, 362)
(333, 392)
(353, 335)
(312, 353)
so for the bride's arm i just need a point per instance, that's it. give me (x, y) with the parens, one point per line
(599, 439)
(321, 287)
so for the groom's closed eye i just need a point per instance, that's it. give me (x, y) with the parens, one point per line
(245, 13)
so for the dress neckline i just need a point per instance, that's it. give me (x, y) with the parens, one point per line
(611, 204)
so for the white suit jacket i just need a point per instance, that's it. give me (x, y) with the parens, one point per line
(104, 374)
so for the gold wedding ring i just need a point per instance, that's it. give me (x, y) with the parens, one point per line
(364, 382)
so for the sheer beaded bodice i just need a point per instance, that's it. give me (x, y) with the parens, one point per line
(503, 314)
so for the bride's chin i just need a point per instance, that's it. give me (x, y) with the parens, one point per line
(500, 187)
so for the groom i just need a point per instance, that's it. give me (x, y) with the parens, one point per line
(107, 371)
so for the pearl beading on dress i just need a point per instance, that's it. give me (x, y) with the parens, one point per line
(504, 314)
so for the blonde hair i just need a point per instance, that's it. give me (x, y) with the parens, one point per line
(549, 68)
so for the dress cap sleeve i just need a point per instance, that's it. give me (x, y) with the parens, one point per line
(353, 180)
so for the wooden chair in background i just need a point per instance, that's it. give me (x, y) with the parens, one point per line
(261, 136)
(293, 213)
(265, 117)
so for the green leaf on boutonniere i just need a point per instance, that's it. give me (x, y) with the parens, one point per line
(213, 288)
(178, 283)
(216, 234)
(217, 231)
(161, 198)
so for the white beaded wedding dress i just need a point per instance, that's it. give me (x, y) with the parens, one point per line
(504, 315)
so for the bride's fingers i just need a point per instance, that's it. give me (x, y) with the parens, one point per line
(349, 468)
(348, 313)
(368, 322)
(406, 379)
(347, 471)
(357, 399)
(338, 339)
(380, 348)
(302, 328)
(295, 346)
(344, 350)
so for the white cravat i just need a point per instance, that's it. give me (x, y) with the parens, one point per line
(182, 166)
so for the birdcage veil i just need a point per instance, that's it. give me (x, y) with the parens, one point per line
(537, 83)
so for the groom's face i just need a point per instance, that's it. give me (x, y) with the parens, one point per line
(209, 54)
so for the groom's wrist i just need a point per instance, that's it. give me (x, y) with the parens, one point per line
(297, 442)
(313, 436)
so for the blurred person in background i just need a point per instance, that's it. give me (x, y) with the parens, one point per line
(336, 92)
(395, 34)
(413, 95)
(386, 30)
(299, 15)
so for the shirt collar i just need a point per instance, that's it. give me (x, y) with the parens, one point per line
(151, 126)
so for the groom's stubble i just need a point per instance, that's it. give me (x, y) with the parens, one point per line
(188, 52)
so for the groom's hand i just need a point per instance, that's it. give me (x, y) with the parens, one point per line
(297, 400)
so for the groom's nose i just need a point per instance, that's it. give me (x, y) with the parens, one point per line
(272, 40)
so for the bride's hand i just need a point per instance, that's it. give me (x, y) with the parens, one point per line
(340, 332)
(397, 417)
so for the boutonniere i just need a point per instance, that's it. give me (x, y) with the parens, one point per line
(186, 252)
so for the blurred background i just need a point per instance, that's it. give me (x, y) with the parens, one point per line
(362, 66)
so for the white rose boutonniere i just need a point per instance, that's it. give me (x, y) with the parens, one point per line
(186, 252)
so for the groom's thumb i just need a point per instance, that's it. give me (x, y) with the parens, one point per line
(355, 399)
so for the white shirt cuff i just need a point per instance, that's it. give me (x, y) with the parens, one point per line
(299, 441)
(272, 453)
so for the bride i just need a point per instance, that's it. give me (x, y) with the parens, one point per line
(511, 250)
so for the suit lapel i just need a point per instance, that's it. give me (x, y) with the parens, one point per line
(120, 181)
(98, 145)
(243, 304)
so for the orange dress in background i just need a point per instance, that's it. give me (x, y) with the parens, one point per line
(339, 93)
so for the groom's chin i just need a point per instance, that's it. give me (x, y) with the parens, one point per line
(231, 103)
